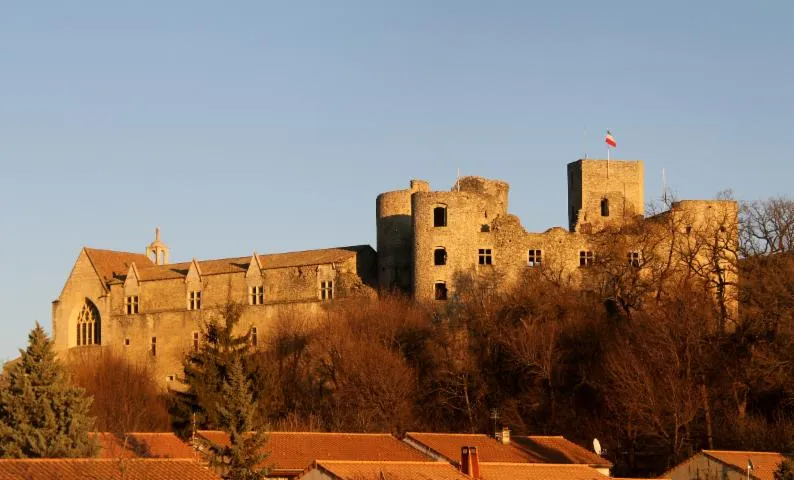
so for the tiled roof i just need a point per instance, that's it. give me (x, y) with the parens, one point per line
(295, 451)
(533, 449)
(103, 468)
(764, 463)
(538, 471)
(151, 271)
(143, 445)
(557, 449)
(110, 264)
(389, 470)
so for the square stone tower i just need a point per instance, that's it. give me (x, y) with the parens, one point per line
(604, 193)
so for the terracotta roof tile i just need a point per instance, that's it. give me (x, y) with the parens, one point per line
(558, 449)
(764, 463)
(143, 445)
(532, 449)
(390, 470)
(295, 451)
(538, 471)
(240, 264)
(111, 264)
(104, 468)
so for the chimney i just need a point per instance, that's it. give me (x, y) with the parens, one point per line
(470, 462)
(504, 436)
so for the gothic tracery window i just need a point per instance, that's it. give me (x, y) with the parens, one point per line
(89, 327)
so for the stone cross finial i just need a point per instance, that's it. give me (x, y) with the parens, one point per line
(157, 234)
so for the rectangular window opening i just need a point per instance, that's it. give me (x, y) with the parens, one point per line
(586, 258)
(440, 217)
(132, 304)
(535, 258)
(634, 259)
(154, 346)
(440, 291)
(194, 300)
(254, 338)
(195, 341)
(485, 256)
(256, 295)
(326, 290)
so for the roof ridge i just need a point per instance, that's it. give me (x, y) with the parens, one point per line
(743, 451)
(99, 459)
(459, 434)
(387, 462)
(540, 464)
(379, 434)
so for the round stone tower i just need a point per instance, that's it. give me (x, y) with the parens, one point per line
(395, 237)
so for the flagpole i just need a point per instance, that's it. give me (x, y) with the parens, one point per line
(608, 149)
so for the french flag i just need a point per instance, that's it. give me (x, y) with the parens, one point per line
(610, 140)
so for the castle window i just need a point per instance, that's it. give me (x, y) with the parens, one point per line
(194, 300)
(586, 258)
(126, 342)
(132, 304)
(254, 338)
(634, 259)
(326, 290)
(604, 207)
(88, 325)
(535, 258)
(440, 256)
(485, 257)
(440, 216)
(256, 295)
(195, 341)
(440, 291)
(688, 229)
(171, 378)
(154, 346)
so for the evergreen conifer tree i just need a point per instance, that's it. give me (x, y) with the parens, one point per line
(247, 438)
(41, 413)
(785, 471)
(206, 370)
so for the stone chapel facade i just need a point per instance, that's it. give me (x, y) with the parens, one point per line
(429, 244)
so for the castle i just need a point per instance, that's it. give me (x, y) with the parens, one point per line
(428, 244)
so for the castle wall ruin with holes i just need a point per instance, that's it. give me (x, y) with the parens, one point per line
(430, 245)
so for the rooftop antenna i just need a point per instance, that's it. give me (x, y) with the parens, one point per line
(495, 417)
(597, 447)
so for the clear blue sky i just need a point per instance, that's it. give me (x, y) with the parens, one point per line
(272, 126)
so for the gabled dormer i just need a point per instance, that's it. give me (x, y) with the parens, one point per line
(193, 286)
(255, 281)
(132, 284)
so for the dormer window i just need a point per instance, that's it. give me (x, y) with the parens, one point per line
(131, 304)
(440, 216)
(256, 295)
(194, 300)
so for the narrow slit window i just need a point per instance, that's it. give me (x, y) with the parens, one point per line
(254, 337)
(586, 258)
(604, 207)
(535, 258)
(195, 341)
(440, 256)
(634, 259)
(154, 346)
(440, 216)
(440, 291)
(485, 256)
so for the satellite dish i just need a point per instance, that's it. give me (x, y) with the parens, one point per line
(597, 446)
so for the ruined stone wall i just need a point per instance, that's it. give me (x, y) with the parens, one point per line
(619, 182)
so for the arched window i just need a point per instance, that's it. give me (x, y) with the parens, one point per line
(440, 256)
(440, 216)
(604, 207)
(89, 326)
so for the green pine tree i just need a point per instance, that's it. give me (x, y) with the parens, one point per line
(247, 438)
(41, 413)
(785, 471)
(206, 370)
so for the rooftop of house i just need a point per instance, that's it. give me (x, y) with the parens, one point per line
(538, 471)
(349, 470)
(113, 265)
(764, 463)
(520, 449)
(143, 445)
(104, 468)
(294, 451)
